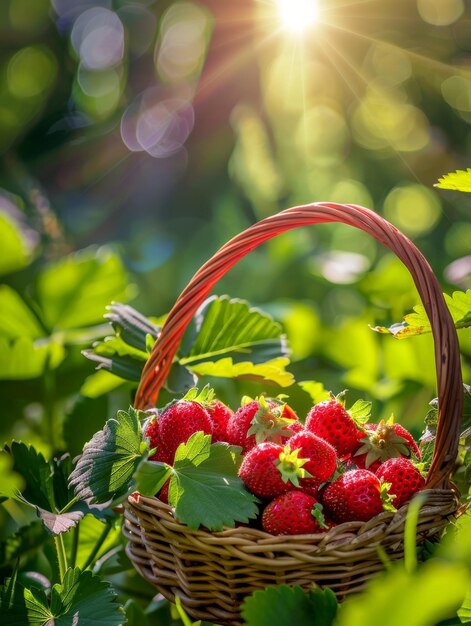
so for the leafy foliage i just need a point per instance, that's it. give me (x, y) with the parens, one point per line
(104, 472)
(228, 339)
(283, 605)
(417, 323)
(81, 598)
(459, 180)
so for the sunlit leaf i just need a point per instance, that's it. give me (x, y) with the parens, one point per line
(230, 328)
(316, 390)
(99, 383)
(417, 323)
(24, 358)
(271, 371)
(286, 606)
(433, 592)
(105, 470)
(90, 531)
(459, 180)
(15, 249)
(74, 291)
(16, 318)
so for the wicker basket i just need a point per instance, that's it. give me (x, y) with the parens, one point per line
(213, 572)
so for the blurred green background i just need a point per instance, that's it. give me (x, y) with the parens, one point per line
(145, 134)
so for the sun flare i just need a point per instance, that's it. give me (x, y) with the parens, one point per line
(298, 15)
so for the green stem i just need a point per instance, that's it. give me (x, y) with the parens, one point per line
(96, 548)
(50, 408)
(61, 556)
(410, 532)
(75, 543)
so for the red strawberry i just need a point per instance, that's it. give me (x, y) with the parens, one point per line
(355, 495)
(151, 430)
(220, 415)
(294, 513)
(384, 441)
(163, 493)
(179, 420)
(322, 458)
(259, 420)
(403, 477)
(343, 429)
(269, 470)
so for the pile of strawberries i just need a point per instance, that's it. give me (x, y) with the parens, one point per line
(336, 467)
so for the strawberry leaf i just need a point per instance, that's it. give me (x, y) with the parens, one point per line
(150, 477)
(82, 598)
(417, 323)
(205, 488)
(105, 470)
(271, 371)
(360, 411)
(227, 327)
(279, 606)
(459, 180)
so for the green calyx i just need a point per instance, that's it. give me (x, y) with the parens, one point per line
(383, 444)
(291, 467)
(387, 498)
(318, 513)
(360, 411)
(268, 423)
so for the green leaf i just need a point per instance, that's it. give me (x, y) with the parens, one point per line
(105, 470)
(150, 477)
(135, 616)
(75, 291)
(123, 366)
(27, 539)
(459, 180)
(82, 599)
(82, 421)
(230, 328)
(423, 597)
(205, 488)
(316, 390)
(99, 383)
(464, 612)
(25, 358)
(90, 531)
(286, 606)
(133, 327)
(12, 482)
(15, 248)
(272, 371)
(417, 323)
(360, 411)
(16, 318)
(44, 489)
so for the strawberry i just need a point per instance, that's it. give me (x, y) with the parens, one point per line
(355, 495)
(294, 513)
(163, 493)
(269, 470)
(151, 431)
(403, 477)
(220, 415)
(322, 458)
(257, 421)
(343, 429)
(384, 441)
(179, 420)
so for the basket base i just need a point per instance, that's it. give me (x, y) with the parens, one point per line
(212, 573)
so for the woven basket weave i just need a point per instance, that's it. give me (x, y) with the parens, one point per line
(213, 572)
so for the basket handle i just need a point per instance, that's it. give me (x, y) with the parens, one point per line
(447, 355)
